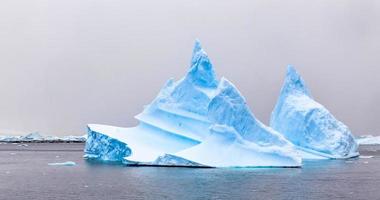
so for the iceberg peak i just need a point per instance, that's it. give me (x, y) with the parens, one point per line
(201, 72)
(308, 124)
(294, 83)
(197, 47)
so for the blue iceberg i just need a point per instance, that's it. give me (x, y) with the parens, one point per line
(199, 121)
(308, 124)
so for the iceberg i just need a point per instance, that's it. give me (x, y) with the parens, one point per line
(315, 132)
(198, 121)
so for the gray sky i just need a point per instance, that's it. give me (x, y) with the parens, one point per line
(68, 63)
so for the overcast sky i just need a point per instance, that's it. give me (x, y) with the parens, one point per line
(64, 64)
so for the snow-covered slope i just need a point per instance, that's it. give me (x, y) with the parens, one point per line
(309, 125)
(198, 120)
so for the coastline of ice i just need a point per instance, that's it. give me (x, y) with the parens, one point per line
(36, 137)
(368, 140)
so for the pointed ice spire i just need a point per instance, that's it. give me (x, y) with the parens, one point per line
(294, 83)
(197, 48)
(201, 71)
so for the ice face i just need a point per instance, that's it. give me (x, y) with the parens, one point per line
(142, 144)
(105, 148)
(201, 72)
(193, 92)
(196, 121)
(309, 125)
(229, 108)
(235, 131)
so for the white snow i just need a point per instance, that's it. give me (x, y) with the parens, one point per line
(368, 140)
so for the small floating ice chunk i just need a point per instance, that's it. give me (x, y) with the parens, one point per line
(365, 157)
(67, 163)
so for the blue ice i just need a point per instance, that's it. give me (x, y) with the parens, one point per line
(199, 120)
(308, 124)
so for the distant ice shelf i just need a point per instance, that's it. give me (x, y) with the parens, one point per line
(199, 121)
(36, 137)
(368, 140)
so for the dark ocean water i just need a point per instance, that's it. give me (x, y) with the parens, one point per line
(25, 174)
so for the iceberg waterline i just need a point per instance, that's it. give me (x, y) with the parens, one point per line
(203, 121)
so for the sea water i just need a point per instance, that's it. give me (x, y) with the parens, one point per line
(25, 173)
